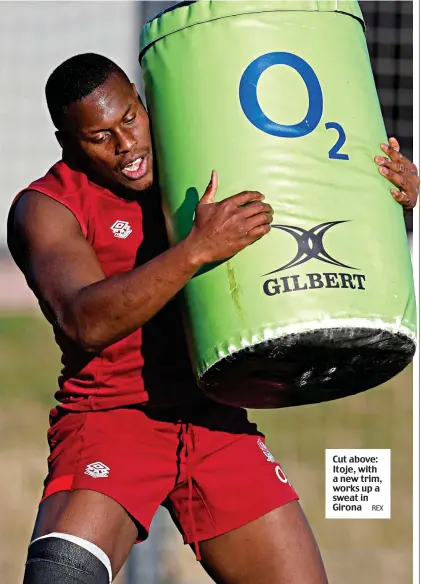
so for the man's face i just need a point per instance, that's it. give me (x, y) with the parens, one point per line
(107, 132)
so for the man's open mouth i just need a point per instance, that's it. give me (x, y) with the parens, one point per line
(136, 169)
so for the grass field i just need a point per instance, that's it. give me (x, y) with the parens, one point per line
(367, 551)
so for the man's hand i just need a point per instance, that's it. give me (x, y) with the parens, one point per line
(402, 173)
(223, 229)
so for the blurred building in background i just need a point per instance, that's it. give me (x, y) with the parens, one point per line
(35, 37)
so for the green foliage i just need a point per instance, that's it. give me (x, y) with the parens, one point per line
(29, 359)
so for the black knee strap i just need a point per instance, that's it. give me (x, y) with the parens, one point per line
(52, 560)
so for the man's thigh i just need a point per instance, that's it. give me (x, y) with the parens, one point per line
(244, 512)
(278, 548)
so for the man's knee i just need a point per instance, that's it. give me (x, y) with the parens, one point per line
(66, 559)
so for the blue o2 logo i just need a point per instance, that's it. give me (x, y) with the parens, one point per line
(255, 114)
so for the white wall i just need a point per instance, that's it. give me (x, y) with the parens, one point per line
(35, 37)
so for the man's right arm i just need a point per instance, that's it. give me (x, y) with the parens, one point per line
(96, 311)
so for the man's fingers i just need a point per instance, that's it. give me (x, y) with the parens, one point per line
(256, 220)
(209, 195)
(394, 143)
(397, 156)
(398, 167)
(245, 197)
(255, 208)
(402, 181)
(403, 199)
(401, 196)
(258, 232)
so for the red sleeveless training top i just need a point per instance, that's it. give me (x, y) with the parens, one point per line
(150, 365)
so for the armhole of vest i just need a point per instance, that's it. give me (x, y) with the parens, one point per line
(63, 202)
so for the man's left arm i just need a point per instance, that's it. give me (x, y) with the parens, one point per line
(401, 172)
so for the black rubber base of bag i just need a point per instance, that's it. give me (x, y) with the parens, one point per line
(306, 368)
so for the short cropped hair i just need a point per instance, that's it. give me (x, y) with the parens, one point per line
(75, 79)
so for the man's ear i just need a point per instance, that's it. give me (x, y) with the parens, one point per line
(135, 89)
(138, 97)
(59, 138)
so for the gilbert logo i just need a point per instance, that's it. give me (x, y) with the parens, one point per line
(121, 229)
(310, 246)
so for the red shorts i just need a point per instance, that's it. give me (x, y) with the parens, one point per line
(211, 469)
